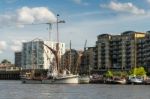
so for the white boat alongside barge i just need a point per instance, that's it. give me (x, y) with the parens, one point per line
(85, 79)
(69, 79)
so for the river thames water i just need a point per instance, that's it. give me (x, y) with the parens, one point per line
(16, 90)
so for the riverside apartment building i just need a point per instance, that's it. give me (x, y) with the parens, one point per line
(124, 51)
(36, 55)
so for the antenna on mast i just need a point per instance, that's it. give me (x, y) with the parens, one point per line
(57, 44)
(58, 21)
(57, 29)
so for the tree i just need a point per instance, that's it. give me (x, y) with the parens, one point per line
(141, 71)
(138, 71)
(120, 73)
(5, 61)
(109, 74)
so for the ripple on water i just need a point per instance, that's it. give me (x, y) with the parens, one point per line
(16, 90)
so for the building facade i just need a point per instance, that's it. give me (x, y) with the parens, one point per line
(146, 50)
(18, 57)
(8, 67)
(71, 60)
(124, 51)
(88, 60)
(35, 55)
(103, 51)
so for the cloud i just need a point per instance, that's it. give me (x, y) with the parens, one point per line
(148, 1)
(27, 15)
(3, 46)
(30, 15)
(88, 29)
(124, 7)
(16, 45)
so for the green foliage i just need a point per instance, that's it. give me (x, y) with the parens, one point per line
(124, 74)
(5, 61)
(138, 71)
(116, 73)
(109, 74)
(120, 73)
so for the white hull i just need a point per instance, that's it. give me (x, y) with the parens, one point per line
(84, 79)
(121, 81)
(136, 80)
(73, 79)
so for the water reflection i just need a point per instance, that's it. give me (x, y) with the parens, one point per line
(16, 90)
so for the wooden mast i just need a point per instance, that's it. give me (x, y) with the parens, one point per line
(70, 58)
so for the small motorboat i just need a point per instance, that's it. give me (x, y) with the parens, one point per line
(135, 80)
(119, 81)
(147, 81)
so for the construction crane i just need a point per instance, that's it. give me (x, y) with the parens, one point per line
(79, 59)
(78, 62)
(85, 55)
(85, 45)
(50, 26)
(54, 51)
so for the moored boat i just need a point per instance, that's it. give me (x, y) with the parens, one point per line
(57, 73)
(147, 81)
(135, 80)
(97, 79)
(52, 78)
(119, 81)
(108, 81)
(68, 79)
(85, 79)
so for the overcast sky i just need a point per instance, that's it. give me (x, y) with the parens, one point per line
(85, 20)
